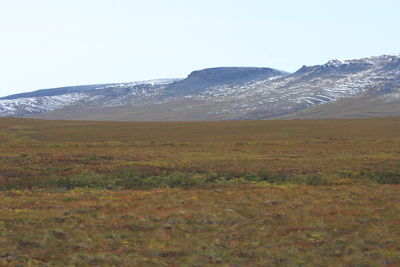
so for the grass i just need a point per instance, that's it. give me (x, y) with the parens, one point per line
(227, 226)
(35, 153)
(238, 193)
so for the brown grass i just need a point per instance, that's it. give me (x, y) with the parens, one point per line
(33, 149)
(229, 226)
(247, 205)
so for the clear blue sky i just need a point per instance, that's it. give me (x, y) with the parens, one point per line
(48, 43)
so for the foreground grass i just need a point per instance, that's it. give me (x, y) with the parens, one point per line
(227, 226)
(255, 193)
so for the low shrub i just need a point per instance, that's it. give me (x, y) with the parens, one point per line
(384, 177)
(316, 179)
(84, 180)
(134, 179)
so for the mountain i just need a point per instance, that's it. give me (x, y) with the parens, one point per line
(105, 95)
(368, 87)
(199, 81)
(374, 84)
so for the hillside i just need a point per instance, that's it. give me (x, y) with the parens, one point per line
(368, 87)
(363, 106)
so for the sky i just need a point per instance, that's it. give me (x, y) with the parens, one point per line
(47, 43)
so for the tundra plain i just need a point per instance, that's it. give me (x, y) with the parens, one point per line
(231, 193)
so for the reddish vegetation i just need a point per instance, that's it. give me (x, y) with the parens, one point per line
(228, 226)
(247, 203)
(41, 150)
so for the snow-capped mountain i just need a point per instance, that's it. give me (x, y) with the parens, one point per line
(107, 95)
(228, 93)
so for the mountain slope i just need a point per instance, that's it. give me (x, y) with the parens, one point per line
(364, 106)
(105, 95)
(340, 88)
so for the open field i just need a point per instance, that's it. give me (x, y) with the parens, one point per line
(37, 153)
(238, 193)
(230, 226)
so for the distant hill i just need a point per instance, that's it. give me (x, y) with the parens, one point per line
(367, 87)
(198, 81)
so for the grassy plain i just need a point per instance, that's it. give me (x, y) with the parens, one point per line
(34, 152)
(237, 193)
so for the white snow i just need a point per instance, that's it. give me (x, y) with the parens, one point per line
(134, 83)
(38, 104)
(275, 94)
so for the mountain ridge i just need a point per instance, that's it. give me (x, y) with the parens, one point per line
(223, 93)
